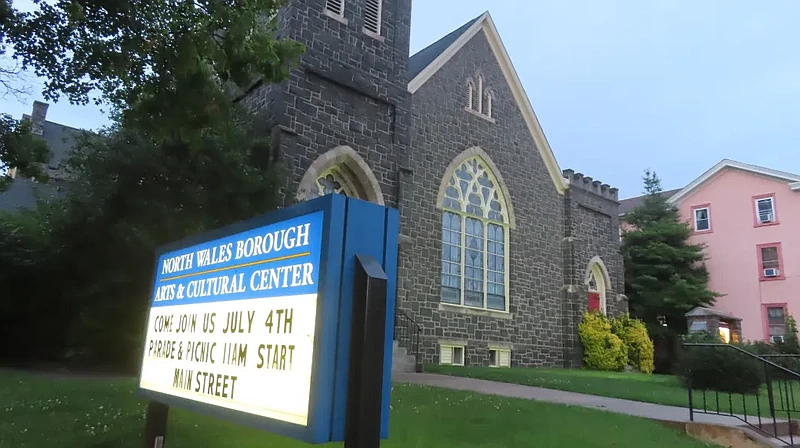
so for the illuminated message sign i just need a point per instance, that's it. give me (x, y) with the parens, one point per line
(249, 323)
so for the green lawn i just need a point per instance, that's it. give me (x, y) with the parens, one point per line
(39, 412)
(659, 389)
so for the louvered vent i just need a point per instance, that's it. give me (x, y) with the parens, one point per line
(505, 358)
(335, 6)
(372, 16)
(447, 355)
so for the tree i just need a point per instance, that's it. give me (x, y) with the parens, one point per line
(665, 276)
(157, 63)
(13, 79)
(20, 150)
(181, 158)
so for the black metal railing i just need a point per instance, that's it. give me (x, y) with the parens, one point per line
(408, 335)
(771, 409)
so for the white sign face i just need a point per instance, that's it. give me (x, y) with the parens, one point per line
(232, 321)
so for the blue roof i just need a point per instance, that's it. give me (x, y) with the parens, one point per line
(424, 58)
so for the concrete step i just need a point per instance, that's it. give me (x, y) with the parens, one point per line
(402, 362)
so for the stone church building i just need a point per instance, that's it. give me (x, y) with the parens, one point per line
(501, 251)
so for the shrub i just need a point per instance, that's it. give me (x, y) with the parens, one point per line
(633, 333)
(602, 349)
(719, 368)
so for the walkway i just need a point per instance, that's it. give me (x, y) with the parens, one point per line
(634, 408)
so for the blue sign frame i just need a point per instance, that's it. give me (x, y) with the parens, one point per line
(349, 227)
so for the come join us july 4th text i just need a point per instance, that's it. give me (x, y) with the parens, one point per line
(216, 347)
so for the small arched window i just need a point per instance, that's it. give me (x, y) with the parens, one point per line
(470, 95)
(487, 106)
(475, 239)
(479, 106)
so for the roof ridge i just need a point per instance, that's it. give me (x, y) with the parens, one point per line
(423, 58)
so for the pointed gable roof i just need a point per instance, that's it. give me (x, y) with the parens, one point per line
(792, 179)
(426, 63)
(427, 55)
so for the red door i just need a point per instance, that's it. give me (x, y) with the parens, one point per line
(594, 301)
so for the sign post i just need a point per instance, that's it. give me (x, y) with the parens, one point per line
(266, 322)
(156, 426)
(366, 356)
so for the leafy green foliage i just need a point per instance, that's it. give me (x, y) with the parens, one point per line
(633, 333)
(180, 159)
(719, 368)
(602, 349)
(84, 264)
(664, 274)
(21, 150)
(155, 62)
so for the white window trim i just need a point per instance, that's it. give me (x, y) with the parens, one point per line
(453, 348)
(771, 200)
(497, 358)
(708, 213)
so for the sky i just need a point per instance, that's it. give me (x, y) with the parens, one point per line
(621, 86)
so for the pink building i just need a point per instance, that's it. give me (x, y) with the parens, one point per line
(748, 217)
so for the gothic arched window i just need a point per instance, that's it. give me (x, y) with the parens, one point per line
(333, 180)
(475, 239)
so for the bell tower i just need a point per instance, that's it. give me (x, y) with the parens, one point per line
(349, 90)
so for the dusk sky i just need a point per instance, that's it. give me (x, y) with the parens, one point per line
(621, 86)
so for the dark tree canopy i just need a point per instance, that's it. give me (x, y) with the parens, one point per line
(180, 158)
(20, 150)
(664, 274)
(161, 61)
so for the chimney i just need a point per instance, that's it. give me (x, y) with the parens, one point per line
(38, 116)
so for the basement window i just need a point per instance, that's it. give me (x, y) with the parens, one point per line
(499, 358)
(451, 355)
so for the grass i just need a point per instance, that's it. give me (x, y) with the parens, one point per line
(658, 389)
(93, 413)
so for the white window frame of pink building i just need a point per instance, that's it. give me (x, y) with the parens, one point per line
(696, 221)
(767, 217)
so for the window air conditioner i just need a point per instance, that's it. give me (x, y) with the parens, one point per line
(778, 339)
(771, 272)
(766, 217)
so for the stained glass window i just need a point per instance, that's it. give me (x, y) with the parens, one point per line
(474, 259)
(332, 180)
(592, 282)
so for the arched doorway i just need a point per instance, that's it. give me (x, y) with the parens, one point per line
(597, 286)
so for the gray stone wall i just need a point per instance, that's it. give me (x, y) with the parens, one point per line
(443, 129)
(592, 225)
(348, 89)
